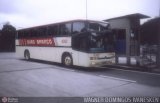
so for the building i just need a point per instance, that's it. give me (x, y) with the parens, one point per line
(126, 30)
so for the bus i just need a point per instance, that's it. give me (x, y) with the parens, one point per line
(85, 43)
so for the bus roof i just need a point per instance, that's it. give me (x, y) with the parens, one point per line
(62, 22)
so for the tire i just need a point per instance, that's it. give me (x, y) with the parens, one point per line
(27, 55)
(67, 60)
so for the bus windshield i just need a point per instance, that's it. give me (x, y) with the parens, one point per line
(97, 26)
(97, 38)
(94, 42)
(101, 43)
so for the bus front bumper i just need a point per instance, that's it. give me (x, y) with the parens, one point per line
(98, 63)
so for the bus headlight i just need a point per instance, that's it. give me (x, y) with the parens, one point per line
(93, 63)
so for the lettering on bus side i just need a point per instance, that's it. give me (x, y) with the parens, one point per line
(37, 42)
(44, 42)
(64, 41)
(31, 42)
(22, 42)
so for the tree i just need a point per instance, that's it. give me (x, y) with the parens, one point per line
(150, 34)
(149, 31)
(7, 38)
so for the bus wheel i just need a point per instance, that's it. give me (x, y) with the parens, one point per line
(27, 55)
(67, 60)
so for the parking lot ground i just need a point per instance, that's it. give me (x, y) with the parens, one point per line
(20, 78)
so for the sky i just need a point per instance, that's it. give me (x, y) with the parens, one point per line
(28, 13)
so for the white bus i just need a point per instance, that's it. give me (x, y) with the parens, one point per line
(84, 43)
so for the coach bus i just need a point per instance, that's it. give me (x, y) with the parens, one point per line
(86, 43)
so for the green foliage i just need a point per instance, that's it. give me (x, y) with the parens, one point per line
(150, 31)
(7, 38)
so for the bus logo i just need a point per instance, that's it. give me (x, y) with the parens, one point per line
(64, 40)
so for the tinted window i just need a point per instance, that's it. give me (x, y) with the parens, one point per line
(65, 29)
(80, 43)
(33, 32)
(23, 34)
(78, 27)
(42, 31)
(19, 34)
(97, 26)
(52, 30)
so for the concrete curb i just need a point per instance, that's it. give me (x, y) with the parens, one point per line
(135, 68)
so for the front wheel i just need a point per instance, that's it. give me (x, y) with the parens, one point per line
(67, 60)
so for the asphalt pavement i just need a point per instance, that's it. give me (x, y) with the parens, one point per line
(20, 78)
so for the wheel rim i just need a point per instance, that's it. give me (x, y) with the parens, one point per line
(27, 56)
(68, 60)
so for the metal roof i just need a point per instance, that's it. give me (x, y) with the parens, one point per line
(130, 16)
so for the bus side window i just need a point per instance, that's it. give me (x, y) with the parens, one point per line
(19, 34)
(65, 29)
(78, 27)
(43, 31)
(35, 32)
(25, 34)
(31, 33)
(52, 30)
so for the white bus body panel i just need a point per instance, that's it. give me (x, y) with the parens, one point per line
(43, 53)
(54, 54)
(62, 45)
